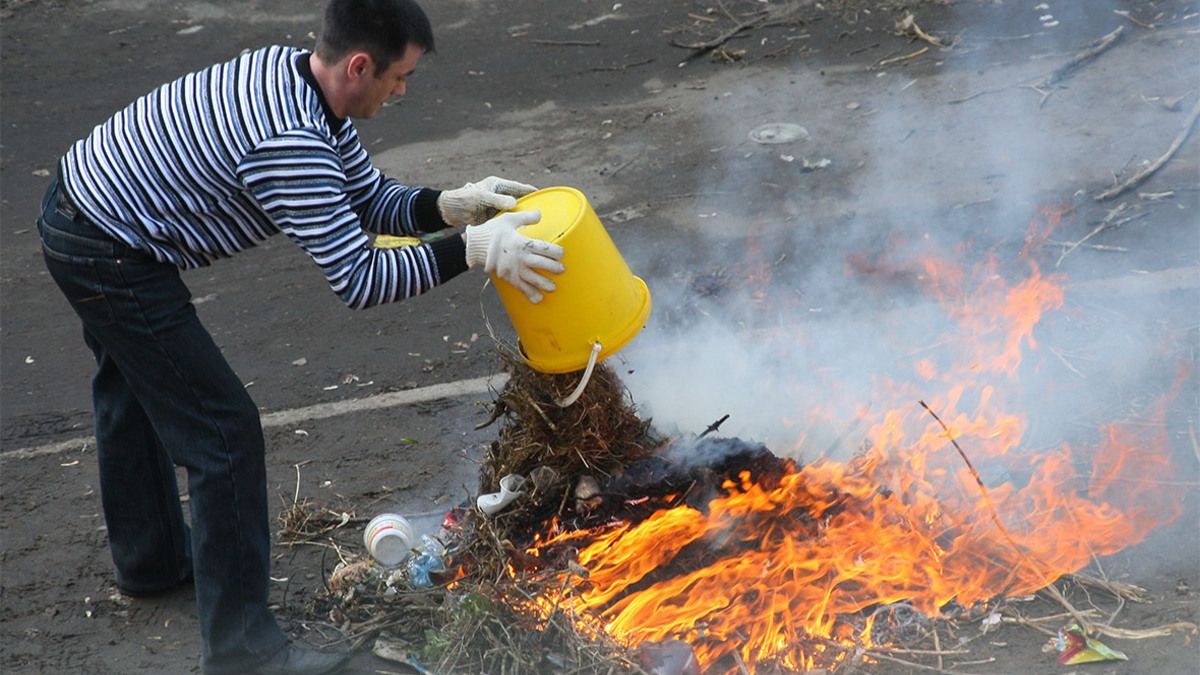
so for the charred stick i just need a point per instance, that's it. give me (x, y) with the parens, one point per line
(714, 426)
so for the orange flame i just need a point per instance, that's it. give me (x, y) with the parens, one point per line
(905, 520)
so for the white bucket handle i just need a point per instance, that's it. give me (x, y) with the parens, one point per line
(587, 375)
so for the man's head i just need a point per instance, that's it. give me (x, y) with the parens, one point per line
(366, 51)
(383, 29)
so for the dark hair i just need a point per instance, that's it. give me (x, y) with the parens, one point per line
(381, 28)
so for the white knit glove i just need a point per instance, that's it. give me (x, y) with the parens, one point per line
(512, 256)
(474, 203)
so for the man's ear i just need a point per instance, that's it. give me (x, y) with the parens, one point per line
(359, 65)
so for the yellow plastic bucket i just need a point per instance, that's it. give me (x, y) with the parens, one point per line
(598, 301)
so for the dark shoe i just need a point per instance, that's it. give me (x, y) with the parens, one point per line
(293, 660)
(154, 593)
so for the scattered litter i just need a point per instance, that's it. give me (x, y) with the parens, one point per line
(428, 560)
(669, 657)
(388, 538)
(29, 359)
(189, 30)
(593, 22)
(348, 575)
(301, 432)
(510, 489)
(41, 172)
(1075, 647)
(807, 166)
(778, 132)
(300, 361)
(393, 649)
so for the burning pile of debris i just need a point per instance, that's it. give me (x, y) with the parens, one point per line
(618, 556)
(597, 545)
(497, 605)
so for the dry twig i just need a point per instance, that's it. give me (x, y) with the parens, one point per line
(908, 27)
(1089, 52)
(1145, 173)
(1049, 588)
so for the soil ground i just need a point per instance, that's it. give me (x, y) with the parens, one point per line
(594, 94)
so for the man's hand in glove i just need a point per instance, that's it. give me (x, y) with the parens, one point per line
(474, 203)
(512, 256)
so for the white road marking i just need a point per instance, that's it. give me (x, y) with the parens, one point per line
(283, 418)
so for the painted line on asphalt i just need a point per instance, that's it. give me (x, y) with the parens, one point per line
(283, 418)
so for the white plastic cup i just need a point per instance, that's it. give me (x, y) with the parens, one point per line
(388, 538)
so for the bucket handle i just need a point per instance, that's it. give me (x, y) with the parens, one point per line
(587, 375)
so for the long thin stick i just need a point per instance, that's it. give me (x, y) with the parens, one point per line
(1060, 72)
(1089, 52)
(996, 519)
(1145, 173)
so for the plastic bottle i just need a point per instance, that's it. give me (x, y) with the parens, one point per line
(429, 560)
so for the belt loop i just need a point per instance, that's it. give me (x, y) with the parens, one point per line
(66, 206)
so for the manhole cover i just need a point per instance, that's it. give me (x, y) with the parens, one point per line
(778, 132)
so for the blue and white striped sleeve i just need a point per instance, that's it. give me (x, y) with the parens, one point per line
(299, 181)
(384, 204)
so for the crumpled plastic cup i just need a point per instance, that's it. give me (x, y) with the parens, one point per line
(494, 502)
(388, 537)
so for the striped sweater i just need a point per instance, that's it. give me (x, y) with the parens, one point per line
(219, 160)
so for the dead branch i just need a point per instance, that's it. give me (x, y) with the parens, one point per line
(1108, 222)
(762, 19)
(854, 653)
(1119, 590)
(1157, 164)
(888, 62)
(1089, 52)
(908, 27)
(1054, 592)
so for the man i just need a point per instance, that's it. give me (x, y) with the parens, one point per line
(202, 168)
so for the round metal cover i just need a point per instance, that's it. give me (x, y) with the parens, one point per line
(778, 132)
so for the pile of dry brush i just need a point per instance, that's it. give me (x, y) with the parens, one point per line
(486, 613)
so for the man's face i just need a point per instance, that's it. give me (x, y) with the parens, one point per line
(373, 91)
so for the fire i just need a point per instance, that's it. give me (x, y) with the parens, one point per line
(773, 570)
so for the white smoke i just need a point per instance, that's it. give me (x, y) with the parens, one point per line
(964, 178)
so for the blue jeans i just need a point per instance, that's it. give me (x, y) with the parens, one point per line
(165, 396)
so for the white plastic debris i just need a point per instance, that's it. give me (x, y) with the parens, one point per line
(774, 133)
